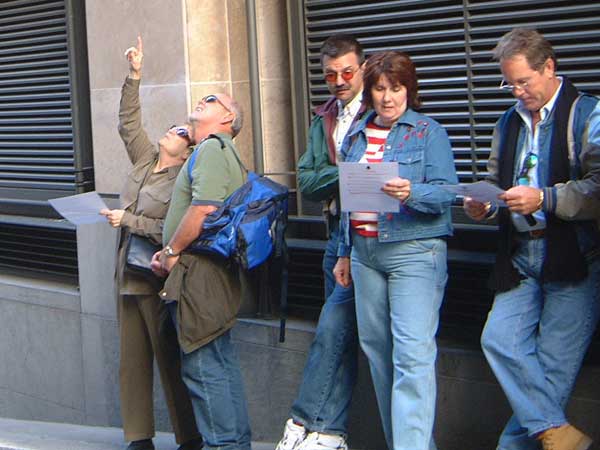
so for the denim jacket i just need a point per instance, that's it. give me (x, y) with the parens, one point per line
(422, 149)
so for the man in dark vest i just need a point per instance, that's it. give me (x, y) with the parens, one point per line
(546, 156)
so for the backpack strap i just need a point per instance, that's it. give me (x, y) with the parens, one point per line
(576, 131)
(283, 293)
(194, 155)
(571, 135)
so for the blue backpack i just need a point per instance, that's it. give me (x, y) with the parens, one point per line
(249, 227)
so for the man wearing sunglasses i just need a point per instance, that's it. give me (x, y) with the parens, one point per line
(202, 291)
(319, 416)
(144, 202)
(546, 156)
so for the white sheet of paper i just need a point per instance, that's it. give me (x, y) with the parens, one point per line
(81, 208)
(481, 191)
(361, 183)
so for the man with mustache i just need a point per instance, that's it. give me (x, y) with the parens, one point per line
(319, 416)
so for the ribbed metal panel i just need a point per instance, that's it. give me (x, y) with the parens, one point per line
(45, 134)
(40, 249)
(36, 124)
(450, 42)
(573, 28)
(432, 32)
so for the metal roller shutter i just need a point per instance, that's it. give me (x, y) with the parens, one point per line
(451, 42)
(45, 130)
(39, 106)
(573, 28)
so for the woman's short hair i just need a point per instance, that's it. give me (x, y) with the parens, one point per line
(398, 68)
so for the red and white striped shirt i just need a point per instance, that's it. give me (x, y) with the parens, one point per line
(364, 223)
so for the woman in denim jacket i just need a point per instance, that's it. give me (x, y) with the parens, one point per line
(398, 260)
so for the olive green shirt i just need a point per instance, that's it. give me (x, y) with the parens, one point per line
(215, 176)
(206, 287)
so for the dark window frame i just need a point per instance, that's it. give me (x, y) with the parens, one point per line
(31, 200)
(44, 84)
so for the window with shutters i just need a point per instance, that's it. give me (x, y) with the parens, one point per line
(45, 132)
(450, 42)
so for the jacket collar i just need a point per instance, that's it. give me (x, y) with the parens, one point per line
(410, 118)
(327, 108)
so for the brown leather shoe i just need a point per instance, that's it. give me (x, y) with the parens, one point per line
(565, 437)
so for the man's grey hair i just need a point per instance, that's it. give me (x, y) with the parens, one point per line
(238, 121)
(528, 43)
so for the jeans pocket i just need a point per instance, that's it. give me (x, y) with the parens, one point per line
(430, 244)
(437, 252)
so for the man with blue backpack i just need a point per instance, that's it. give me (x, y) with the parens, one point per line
(319, 416)
(202, 290)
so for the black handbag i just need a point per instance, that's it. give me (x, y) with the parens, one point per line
(139, 254)
(140, 249)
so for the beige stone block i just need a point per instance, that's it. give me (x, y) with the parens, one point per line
(113, 26)
(208, 42)
(238, 39)
(162, 106)
(277, 126)
(110, 160)
(272, 39)
(244, 140)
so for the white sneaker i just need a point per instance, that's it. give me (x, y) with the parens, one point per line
(293, 435)
(322, 441)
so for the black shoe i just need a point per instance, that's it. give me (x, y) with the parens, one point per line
(144, 444)
(192, 444)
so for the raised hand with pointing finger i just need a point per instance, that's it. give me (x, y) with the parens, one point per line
(135, 55)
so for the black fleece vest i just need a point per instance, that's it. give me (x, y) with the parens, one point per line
(561, 238)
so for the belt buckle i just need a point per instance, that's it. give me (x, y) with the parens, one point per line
(537, 234)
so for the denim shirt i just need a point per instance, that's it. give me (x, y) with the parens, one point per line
(422, 149)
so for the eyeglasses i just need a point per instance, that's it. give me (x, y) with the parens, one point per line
(530, 161)
(213, 98)
(346, 74)
(511, 87)
(181, 132)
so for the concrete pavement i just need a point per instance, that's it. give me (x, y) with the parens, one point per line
(32, 435)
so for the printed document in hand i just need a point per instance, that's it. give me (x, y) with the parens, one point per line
(81, 208)
(361, 183)
(481, 191)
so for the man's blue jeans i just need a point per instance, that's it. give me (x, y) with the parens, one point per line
(214, 380)
(331, 368)
(399, 290)
(535, 338)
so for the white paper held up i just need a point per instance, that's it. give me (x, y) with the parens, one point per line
(81, 208)
(361, 183)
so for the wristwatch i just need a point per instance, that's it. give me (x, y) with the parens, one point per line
(168, 251)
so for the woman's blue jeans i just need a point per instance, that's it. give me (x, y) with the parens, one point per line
(331, 367)
(214, 380)
(535, 338)
(399, 289)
